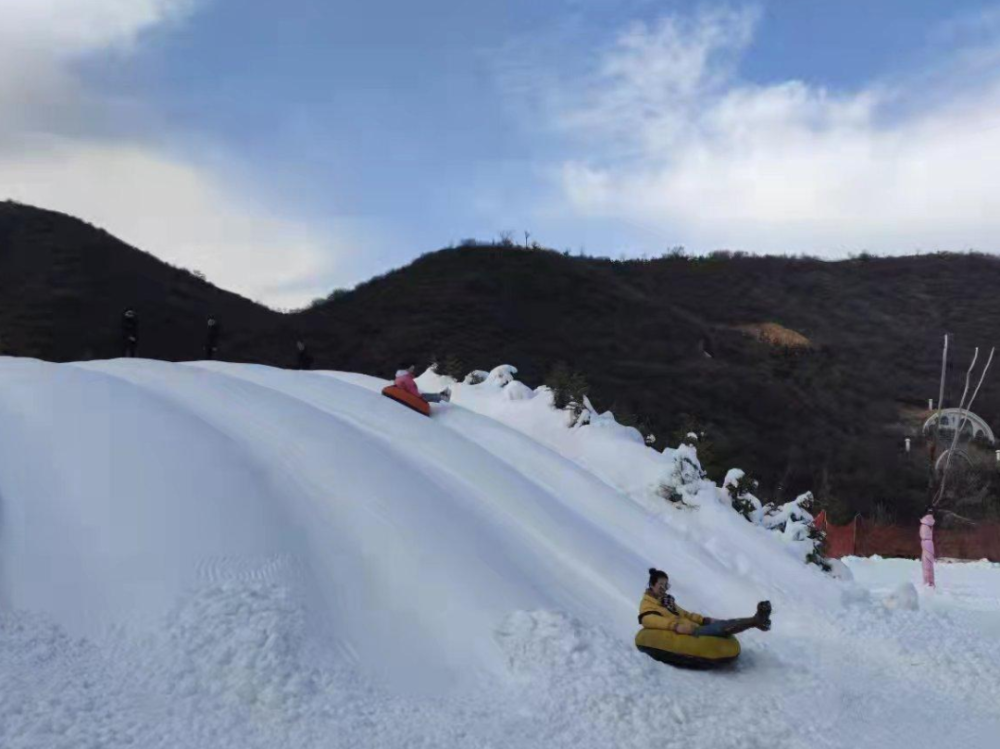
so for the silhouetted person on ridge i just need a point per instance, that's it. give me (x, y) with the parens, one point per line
(212, 337)
(130, 332)
(304, 358)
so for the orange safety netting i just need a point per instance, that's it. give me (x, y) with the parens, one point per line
(863, 538)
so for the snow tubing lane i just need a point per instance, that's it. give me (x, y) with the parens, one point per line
(407, 399)
(685, 650)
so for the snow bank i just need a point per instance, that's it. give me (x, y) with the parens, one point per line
(661, 482)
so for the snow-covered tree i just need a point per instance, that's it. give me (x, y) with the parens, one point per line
(740, 487)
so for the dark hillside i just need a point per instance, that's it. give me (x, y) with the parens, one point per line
(667, 340)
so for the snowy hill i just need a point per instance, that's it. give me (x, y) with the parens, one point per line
(228, 555)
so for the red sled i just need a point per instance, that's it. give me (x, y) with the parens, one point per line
(407, 399)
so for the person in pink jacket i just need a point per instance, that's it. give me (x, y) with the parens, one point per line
(404, 380)
(927, 546)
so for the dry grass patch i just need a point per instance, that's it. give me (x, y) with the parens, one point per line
(774, 334)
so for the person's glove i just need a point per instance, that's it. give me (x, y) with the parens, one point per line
(684, 627)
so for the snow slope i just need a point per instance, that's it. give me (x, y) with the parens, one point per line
(216, 555)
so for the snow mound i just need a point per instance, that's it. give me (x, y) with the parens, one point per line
(839, 570)
(904, 598)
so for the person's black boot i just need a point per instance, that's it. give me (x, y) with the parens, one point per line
(764, 615)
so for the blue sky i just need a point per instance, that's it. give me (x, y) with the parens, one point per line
(289, 149)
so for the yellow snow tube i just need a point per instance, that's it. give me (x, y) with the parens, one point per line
(687, 650)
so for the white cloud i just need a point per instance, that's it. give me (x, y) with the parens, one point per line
(184, 214)
(647, 89)
(676, 140)
(186, 210)
(41, 39)
(65, 28)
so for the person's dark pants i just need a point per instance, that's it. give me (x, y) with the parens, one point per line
(130, 348)
(725, 627)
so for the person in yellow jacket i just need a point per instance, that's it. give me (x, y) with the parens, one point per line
(658, 610)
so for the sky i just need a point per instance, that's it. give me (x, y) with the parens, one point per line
(288, 149)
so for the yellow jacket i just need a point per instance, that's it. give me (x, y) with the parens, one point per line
(653, 614)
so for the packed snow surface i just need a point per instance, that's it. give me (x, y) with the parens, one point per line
(218, 555)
